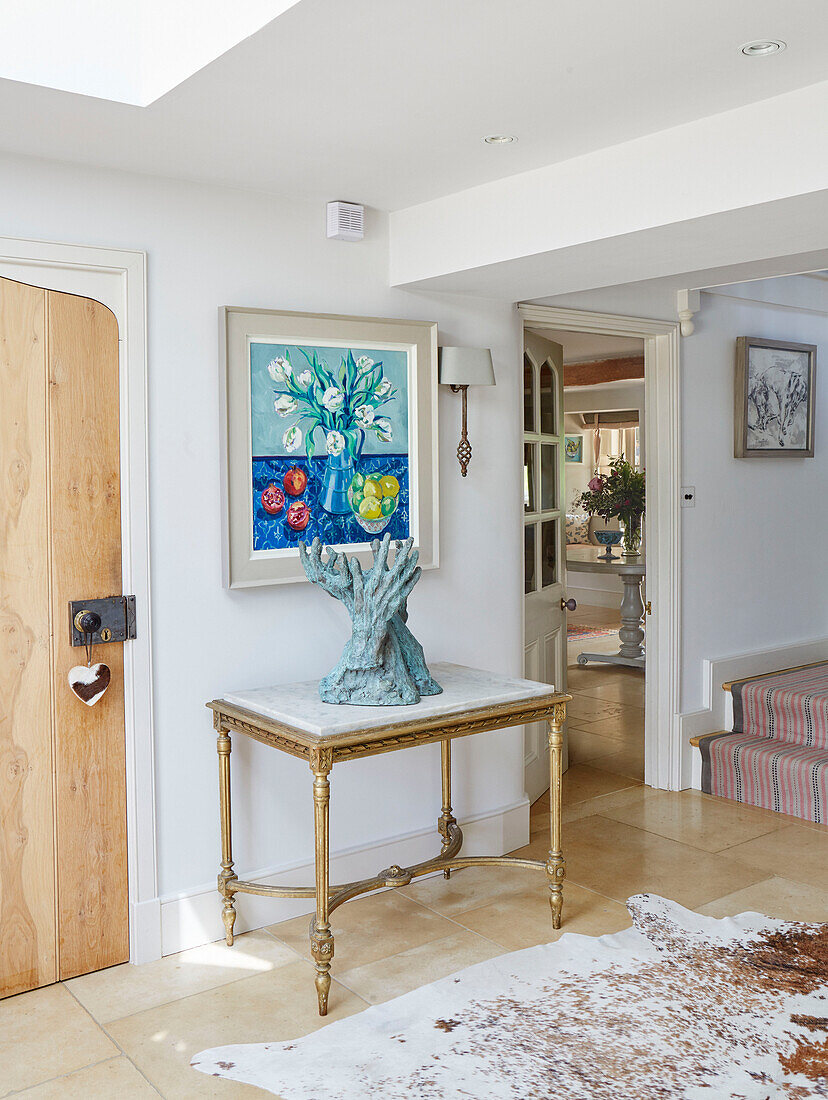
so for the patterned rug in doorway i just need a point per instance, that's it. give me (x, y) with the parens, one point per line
(679, 1007)
(589, 631)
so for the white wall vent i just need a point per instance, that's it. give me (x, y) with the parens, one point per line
(346, 221)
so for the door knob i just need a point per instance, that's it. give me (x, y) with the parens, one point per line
(567, 605)
(87, 622)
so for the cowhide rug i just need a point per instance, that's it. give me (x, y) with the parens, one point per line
(680, 1006)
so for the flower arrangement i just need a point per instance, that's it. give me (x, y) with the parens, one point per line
(342, 403)
(622, 493)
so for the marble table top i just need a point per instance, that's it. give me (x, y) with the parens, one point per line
(589, 559)
(464, 689)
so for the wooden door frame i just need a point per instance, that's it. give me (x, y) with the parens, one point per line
(117, 278)
(662, 426)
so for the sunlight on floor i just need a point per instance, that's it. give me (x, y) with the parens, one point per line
(132, 1031)
(218, 954)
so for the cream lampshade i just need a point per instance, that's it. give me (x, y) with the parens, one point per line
(461, 368)
(466, 367)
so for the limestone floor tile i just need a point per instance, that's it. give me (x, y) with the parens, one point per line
(537, 848)
(539, 824)
(541, 803)
(523, 920)
(628, 725)
(117, 1077)
(380, 981)
(585, 746)
(582, 781)
(277, 1005)
(123, 990)
(371, 928)
(472, 887)
(799, 853)
(586, 677)
(629, 796)
(618, 860)
(584, 709)
(46, 1033)
(627, 759)
(691, 818)
(778, 820)
(775, 897)
(629, 691)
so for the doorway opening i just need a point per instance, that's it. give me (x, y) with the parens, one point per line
(594, 396)
(604, 417)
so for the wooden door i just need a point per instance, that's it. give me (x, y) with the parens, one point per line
(544, 539)
(63, 887)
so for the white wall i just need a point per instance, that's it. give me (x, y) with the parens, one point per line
(209, 247)
(577, 474)
(752, 570)
(753, 576)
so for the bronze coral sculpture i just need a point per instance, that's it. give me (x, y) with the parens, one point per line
(382, 664)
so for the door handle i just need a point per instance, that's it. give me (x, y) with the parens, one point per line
(568, 605)
(87, 622)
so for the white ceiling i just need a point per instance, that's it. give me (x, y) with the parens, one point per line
(385, 102)
(583, 347)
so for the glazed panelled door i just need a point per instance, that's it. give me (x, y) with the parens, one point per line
(63, 885)
(544, 534)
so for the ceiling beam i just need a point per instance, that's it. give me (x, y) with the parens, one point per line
(603, 370)
(588, 222)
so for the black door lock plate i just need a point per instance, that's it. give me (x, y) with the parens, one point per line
(96, 622)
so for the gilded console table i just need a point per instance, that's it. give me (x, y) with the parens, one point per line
(292, 718)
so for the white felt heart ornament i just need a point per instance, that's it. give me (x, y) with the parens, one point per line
(90, 683)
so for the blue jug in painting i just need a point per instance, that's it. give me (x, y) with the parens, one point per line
(336, 479)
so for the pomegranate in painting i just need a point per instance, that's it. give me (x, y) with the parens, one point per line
(295, 481)
(273, 499)
(298, 515)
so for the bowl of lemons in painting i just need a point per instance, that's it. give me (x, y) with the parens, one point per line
(373, 500)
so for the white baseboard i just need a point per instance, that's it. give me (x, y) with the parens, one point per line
(716, 714)
(145, 931)
(194, 918)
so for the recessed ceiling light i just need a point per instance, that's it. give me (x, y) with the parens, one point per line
(763, 47)
(499, 139)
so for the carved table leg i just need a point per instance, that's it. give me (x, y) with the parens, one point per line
(321, 940)
(555, 864)
(227, 875)
(446, 817)
(631, 634)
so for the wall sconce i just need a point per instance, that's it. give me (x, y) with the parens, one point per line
(461, 368)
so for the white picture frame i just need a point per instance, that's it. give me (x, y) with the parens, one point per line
(574, 449)
(260, 548)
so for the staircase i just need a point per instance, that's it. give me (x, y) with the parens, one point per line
(776, 756)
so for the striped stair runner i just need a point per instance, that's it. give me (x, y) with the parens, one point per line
(777, 755)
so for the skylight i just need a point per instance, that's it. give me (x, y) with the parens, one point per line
(129, 51)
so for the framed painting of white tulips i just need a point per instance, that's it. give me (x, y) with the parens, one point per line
(330, 432)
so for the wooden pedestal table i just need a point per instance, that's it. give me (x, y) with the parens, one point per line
(632, 570)
(293, 718)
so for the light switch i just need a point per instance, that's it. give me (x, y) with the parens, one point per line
(688, 496)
